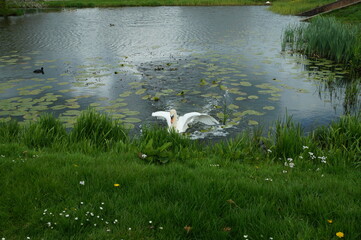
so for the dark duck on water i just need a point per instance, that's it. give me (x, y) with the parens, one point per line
(41, 70)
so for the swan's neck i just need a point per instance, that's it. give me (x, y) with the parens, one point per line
(174, 121)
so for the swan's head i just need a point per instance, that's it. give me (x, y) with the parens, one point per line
(173, 115)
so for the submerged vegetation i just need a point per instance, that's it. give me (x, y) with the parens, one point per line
(97, 182)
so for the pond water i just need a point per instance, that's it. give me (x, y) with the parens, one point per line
(130, 62)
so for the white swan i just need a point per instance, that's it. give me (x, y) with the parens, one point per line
(181, 124)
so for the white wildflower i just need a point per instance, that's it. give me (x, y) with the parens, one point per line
(291, 165)
(305, 147)
(82, 182)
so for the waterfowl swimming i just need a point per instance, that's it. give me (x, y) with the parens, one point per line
(41, 70)
(180, 124)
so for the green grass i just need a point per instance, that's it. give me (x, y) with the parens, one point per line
(286, 187)
(348, 15)
(293, 7)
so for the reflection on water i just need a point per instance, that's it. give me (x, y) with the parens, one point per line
(130, 62)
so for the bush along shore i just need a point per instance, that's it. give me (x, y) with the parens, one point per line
(98, 182)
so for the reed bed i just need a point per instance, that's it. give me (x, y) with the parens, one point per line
(288, 185)
(325, 37)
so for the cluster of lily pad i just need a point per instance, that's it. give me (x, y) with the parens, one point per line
(201, 81)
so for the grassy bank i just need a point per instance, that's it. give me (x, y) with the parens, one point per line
(97, 182)
(122, 3)
(289, 7)
(347, 15)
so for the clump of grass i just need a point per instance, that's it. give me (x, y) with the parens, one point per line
(9, 131)
(288, 139)
(44, 132)
(342, 138)
(324, 37)
(154, 137)
(98, 130)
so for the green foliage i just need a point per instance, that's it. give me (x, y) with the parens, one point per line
(9, 131)
(98, 129)
(243, 147)
(217, 192)
(288, 139)
(180, 146)
(343, 138)
(156, 154)
(324, 37)
(43, 133)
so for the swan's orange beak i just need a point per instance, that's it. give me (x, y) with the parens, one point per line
(171, 118)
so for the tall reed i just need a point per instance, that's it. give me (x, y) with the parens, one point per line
(324, 37)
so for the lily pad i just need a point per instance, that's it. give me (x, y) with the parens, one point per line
(245, 84)
(132, 120)
(269, 107)
(252, 122)
(253, 97)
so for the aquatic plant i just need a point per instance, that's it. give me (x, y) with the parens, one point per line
(324, 37)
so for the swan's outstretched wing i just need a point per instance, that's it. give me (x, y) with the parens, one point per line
(163, 114)
(188, 118)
